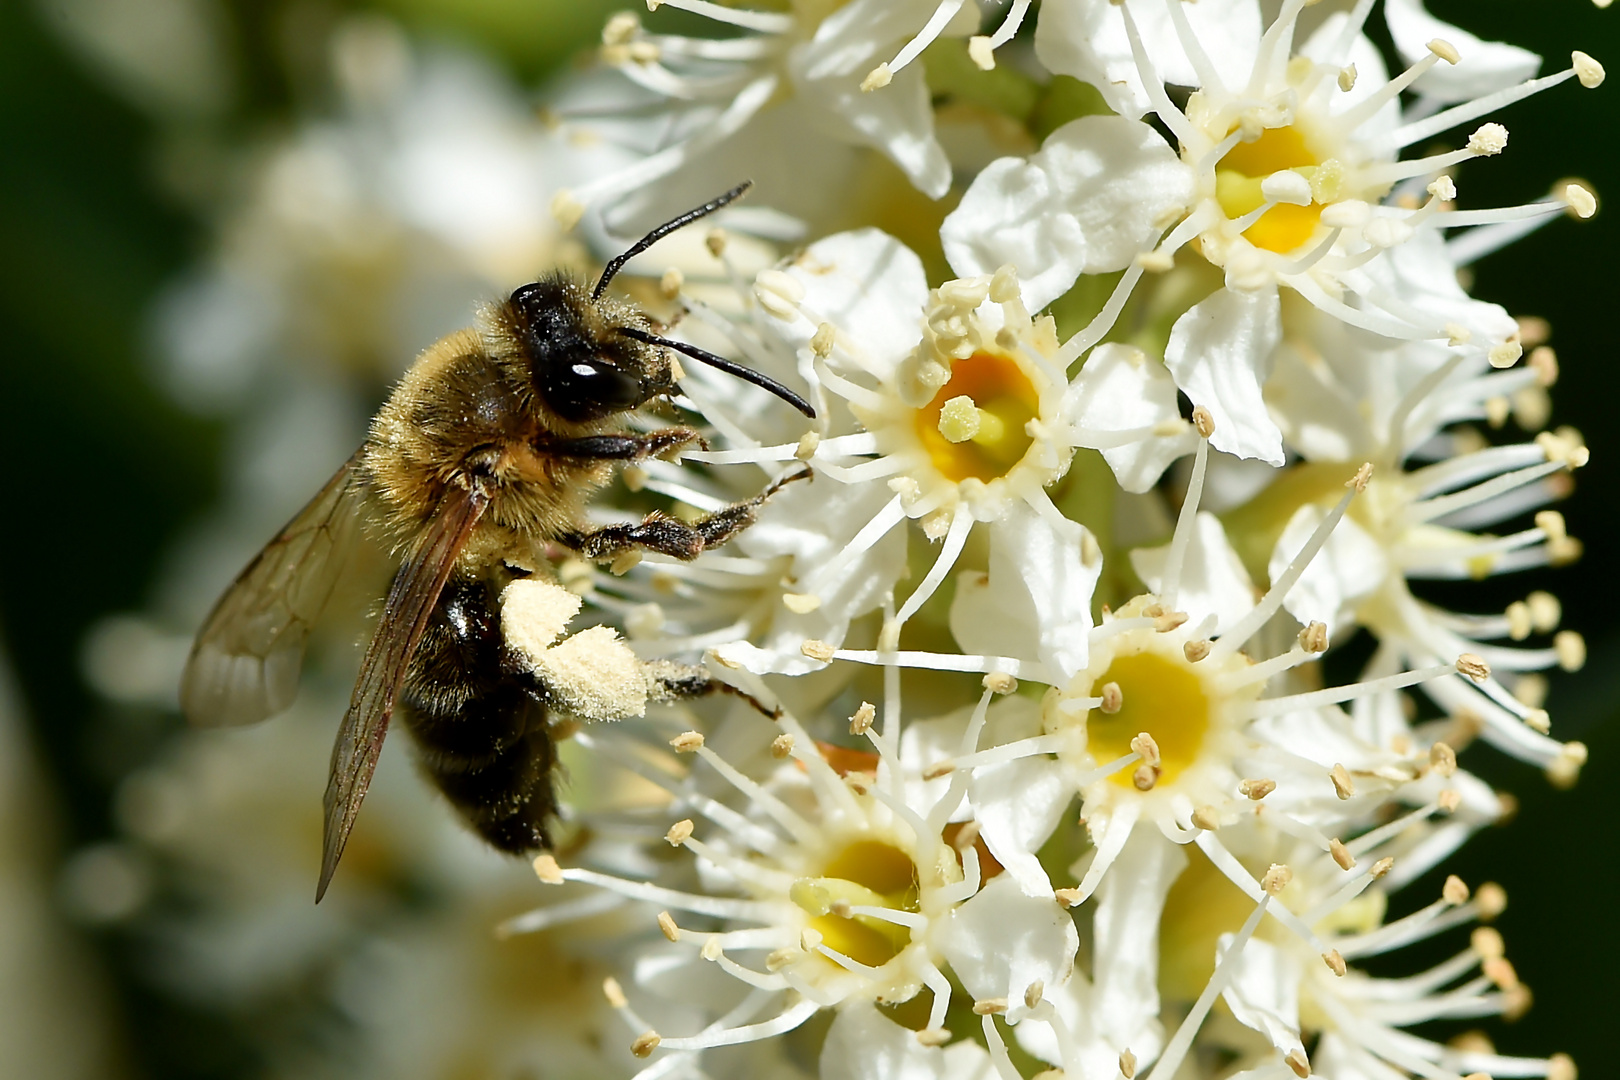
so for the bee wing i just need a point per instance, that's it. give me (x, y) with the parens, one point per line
(411, 600)
(244, 664)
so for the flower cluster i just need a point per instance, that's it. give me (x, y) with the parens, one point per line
(1145, 379)
(1182, 393)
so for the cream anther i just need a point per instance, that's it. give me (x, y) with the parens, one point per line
(1474, 666)
(547, 870)
(1445, 50)
(1276, 878)
(1195, 651)
(817, 650)
(1203, 421)
(1488, 140)
(1313, 638)
(782, 746)
(614, 993)
(1341, 854)
(679, 833)
(877, 78)
(801, 603)
(1343, 786)
(1347, 78)
(1580, 199)
(1143, 744)
(980, 52)
(990, 1006)
(861, 722)
(687, 742)
(1335, 962)
(1587, 70)
(999, 682)
(666, 924)
(779, 293)
(1443, 759)
(1571, 649)
(1443, 188)
(1455, 890)
(1127, 1064)
(1346, 214)
(1113, 698)
(1257, 789)
(647, 1041)
(1298, 1062)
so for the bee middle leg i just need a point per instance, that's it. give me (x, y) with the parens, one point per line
(677, 539)
(678, 682)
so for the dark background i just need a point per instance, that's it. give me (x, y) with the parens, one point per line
(102, 470)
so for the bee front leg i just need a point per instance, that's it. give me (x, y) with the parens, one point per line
(677, 539)
(623, 447)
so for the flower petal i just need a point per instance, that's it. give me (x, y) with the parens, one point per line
(1126, 928)
(1086, 39)
(868, 284)
(863, 1044)
(1485, 65)
(1350, 567)
(1213, 581)
(1264, 991)
(1094, 195)
(1220, 353)
(1001, 941)
(1119, 388)
(1036, 600)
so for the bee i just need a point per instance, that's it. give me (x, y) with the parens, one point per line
(482, 458)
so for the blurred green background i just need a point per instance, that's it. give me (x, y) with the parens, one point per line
(104, 193)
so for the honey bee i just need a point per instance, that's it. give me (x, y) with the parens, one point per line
(483, 456)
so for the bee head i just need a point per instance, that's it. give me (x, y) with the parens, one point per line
(582, 373)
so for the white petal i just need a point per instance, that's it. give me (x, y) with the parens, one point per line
(1348, 569)
(1264, 992)
(868, 285)
(1120, 387)
(897, 119)
(1036, 600)
(1126, 929)
(813, 523)
(1485, 65)
(1094, 195)
(1213, 580)
(1001, 941)
(1018, 805)
(1086, 39)
(1371, 74)
(863, 1044)
(1220, 353)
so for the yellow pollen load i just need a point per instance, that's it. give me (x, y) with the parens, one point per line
(1238, 177)
(974, 426)
(866, 873)
(1161, 697)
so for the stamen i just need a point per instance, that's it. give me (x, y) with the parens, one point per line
(1246, 627)
(764, 21)
(942, 15)
(1427, 128)
(1279, 706)
(1369, 106)
(1176, 1050)
(1186, 519)
(955, 538)
(788, 1020)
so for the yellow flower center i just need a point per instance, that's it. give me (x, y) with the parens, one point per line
(974, 426)
(867, 873)
(1161, 697)
(1239, 174)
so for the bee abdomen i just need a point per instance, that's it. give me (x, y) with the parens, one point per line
(483, 737)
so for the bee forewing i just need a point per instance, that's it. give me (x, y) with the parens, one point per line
(244, 665)
(411, 600)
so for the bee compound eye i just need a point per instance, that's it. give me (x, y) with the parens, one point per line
(583, 387)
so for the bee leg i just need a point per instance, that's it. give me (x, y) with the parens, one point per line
(677, 539)
(624, 447)
(676, 682)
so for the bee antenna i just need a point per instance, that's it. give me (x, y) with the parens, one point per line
(746, 374)
(664, 230)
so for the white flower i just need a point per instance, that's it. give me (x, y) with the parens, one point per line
(851, 892)
(799, 90)
(1287, 177)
